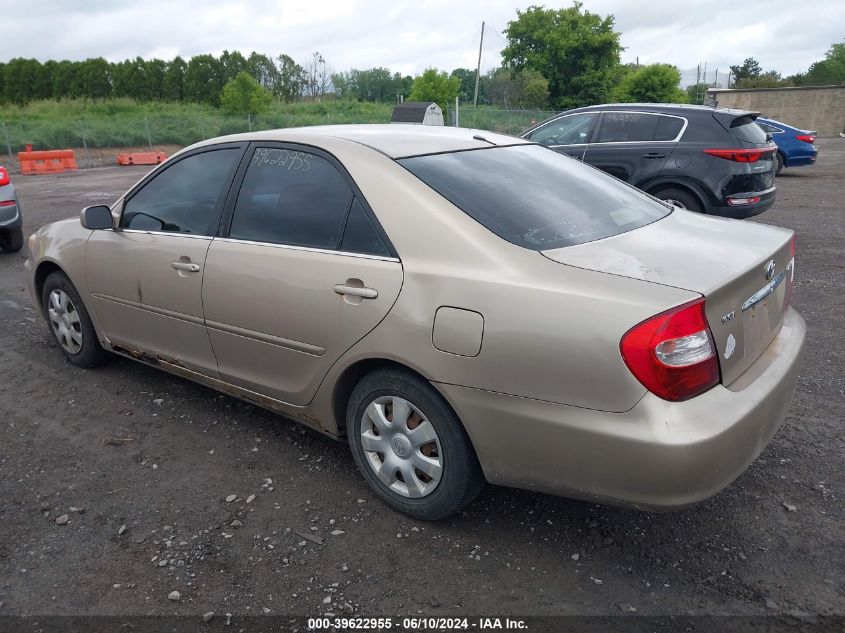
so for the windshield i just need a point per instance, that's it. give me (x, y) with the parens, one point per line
(534, 197)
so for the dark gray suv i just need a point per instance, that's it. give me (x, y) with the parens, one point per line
(11, 223)
(713, 160)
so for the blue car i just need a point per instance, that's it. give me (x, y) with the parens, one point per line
(795, 147)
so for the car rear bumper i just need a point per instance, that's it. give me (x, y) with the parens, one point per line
(659, 455)
(10, 217)
(799, 161)
(739, 212)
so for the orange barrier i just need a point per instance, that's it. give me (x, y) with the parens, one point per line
(47, 162)
(141, 158)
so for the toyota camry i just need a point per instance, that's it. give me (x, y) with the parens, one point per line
(463, 307)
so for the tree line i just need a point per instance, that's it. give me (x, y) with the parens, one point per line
(825, 72)
(200, 79)
(554, 58)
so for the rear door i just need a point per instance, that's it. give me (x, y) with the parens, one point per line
(303, 271)
(567, 134)
(634, 146)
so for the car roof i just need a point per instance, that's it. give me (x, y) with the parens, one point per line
(393, 140)
(663, 107)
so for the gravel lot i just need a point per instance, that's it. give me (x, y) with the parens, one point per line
(126, 445)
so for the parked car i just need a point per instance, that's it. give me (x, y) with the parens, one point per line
(795, 147)
(713, 160)
(11, 223)
(462, 306)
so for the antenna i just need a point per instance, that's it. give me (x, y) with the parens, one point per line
(478, 68)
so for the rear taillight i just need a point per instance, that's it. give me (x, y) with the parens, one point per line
(673, 354)
(739, 155)
(4, 176)
(807, 138)
(7, 203)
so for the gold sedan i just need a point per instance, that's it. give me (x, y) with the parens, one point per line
(462, 306)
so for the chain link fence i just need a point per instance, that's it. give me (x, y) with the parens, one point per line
(503, 121)
(98, 140)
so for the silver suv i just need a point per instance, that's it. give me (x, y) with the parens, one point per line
(11, 222)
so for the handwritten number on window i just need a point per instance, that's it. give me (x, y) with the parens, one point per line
(281, 159)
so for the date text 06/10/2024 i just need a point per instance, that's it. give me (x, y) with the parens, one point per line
(416, 624)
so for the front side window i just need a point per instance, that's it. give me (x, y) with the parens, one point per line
(534, 197)
(291, 197)
(184, 197)
(573, 129)
(629, 127)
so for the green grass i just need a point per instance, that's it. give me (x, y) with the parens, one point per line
(126, 123)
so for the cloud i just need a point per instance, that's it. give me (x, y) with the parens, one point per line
(409, 37)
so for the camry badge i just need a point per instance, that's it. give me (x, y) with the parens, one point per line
(769, 270)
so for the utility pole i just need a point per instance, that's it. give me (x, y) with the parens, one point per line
(478, 68)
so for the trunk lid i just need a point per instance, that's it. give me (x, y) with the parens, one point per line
(727, 261)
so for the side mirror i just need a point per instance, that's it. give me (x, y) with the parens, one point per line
(769, 137)
(97, 217)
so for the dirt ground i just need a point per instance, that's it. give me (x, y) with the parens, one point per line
(126, 445)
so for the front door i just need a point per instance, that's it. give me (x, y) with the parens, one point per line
(145, 277)
(303, 274)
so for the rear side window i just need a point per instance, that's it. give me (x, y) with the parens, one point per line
(627, 127)
(744, 128)
(668, 128)
(291, 197)
(184, 197)
(360, 236)
(534, 197)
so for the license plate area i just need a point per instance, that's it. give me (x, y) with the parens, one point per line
(762, 314)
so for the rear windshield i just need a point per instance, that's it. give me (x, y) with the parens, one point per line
(745, 129)
(534, 197)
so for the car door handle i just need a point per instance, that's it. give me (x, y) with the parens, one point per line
(356, 291)
(186, 266)
(654, 155)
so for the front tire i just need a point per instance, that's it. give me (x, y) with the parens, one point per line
(12, 241)
(410, 446)
(70, 323)
(679, 198)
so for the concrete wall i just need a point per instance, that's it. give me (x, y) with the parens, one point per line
(810, 108)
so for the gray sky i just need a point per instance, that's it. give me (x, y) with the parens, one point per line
(405, 36)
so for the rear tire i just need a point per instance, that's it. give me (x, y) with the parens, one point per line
(388, 453)
(679, 198)
(779, 164)
(12, 241)
(70, 323)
